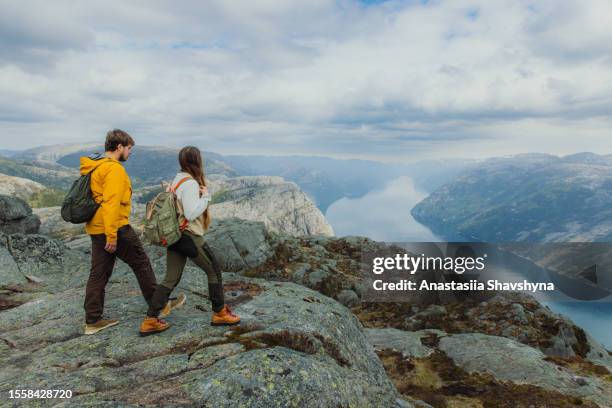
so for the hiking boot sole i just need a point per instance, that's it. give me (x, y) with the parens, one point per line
(181, 303)
(224, 324)
(177, 306)
(144, 334)
(89, 331)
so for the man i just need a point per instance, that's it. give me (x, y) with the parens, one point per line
(110, 231)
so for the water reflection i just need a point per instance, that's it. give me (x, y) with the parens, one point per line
(383, 214)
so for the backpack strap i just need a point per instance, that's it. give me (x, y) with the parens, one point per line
(181, 181)
(103, 161)
(185, 223)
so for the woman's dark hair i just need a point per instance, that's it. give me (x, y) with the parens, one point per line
(190, 160)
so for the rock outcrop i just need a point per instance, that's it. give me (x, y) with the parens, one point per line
(280, 204)
(19, 187)
(16, 216)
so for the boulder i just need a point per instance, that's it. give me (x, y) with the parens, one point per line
(348, 298)
(238, 244)
(408, 343)
(9, 270)
(13, 208)
(16, 216)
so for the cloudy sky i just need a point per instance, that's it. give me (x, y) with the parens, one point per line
(390, 80)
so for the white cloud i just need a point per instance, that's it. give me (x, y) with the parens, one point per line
(329, 77)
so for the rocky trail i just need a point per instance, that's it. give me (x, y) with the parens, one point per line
(306, 339)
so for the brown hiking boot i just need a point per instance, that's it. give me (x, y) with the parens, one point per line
(99, 325)
(173, 304)
(224, 317)
(152, 325)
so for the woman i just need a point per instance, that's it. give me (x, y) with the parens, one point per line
(192, 203)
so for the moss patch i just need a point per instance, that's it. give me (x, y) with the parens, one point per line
(248, 291)
(494, 318)
(581, 366)
(439, 382)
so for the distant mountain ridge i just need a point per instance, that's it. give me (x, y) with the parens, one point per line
(324, 179)
(529, 197)
(150, 165)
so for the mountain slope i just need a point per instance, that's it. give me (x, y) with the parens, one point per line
(60, 178)
(531, 197)
(148, 165)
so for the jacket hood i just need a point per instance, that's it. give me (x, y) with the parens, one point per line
(88, 163)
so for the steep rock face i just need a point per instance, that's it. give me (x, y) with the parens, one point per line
(294, 347)
(19, 187)
(280, 204)
(16, 216)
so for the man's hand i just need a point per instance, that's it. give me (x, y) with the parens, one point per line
(110, 247)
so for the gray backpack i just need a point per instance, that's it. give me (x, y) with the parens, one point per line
(161, 226)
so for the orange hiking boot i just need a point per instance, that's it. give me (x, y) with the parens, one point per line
(173, 304)
(152, 325)
(224, 317)
(99, 325)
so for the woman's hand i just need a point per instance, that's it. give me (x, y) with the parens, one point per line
(203, 191)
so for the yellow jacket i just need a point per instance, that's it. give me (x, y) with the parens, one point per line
(111, 187)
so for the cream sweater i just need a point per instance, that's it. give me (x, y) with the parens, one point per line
(191, 204)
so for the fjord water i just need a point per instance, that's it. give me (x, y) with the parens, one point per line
(383, 214)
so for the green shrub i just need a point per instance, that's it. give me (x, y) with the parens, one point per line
(49, 197)
(220, 196)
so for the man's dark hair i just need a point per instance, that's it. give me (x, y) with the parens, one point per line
(117, 137)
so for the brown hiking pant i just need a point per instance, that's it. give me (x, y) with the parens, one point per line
(130, 251)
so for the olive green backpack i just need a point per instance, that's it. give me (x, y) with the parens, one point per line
(161, 226)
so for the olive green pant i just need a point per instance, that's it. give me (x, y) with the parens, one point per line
(192, 246)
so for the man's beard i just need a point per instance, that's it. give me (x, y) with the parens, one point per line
(122, 158)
